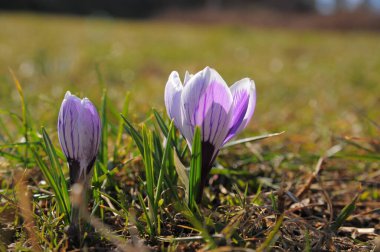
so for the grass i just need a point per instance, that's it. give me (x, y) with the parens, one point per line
(294, 191)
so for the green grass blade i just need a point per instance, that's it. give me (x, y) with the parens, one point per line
(4, 128)
(56, 170)
(124, 111)
(142, 203)
(16, 157)
(157, 154)
(136, 136)
(272, 235)
(2, 146)
(24, 113)
(164, 165)
(161, 122)
(344, 214)
(251, 139)
(198, 225)
(148, 163)
(195, 168)
(367, 157)
(103, 149)
(23, 103)
(182, 173)
(60, 195)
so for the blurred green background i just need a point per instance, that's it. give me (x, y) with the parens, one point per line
(312, 84)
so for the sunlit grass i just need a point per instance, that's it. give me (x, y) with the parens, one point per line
(308, 83)
(321, 88)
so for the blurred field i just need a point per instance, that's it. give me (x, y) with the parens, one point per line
(320, 87)
(310, 84)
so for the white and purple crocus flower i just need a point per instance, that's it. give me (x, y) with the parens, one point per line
(205, 100)
(79, 131)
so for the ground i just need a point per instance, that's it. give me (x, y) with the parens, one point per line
(286, 192)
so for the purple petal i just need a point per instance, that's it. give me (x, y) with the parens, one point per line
(206, 101)
(67, 124)
(79, 132)
(89, 134)
(79, 129)
(244, 101)
(173, 92)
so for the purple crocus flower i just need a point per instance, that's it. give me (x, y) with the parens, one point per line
(79, 130)
(205, 100)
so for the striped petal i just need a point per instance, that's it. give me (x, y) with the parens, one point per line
(206, 101)
(244, 102)
(67, 125)
(89, 134)
(79, 131)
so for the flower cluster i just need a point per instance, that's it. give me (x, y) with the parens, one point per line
(203, 100)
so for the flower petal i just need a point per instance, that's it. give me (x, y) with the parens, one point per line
(187, 77)
(67, 124)
(244, 102)
(206, 102)
(89, 134)
(173, 90)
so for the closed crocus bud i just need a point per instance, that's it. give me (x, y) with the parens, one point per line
(205, 100)
(79, 131)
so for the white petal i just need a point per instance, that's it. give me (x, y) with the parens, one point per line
(188, 76)
(60, 128)
(173, 90)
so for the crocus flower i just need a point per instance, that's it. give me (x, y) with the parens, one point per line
(205, 100)
(79, 130)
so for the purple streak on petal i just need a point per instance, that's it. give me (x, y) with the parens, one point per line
(244, 94)
(198, 103)
(68, 138)
(87, 122)
(187, 127)
(71, 107)
(72, 127)
(61, 132)
(215, 125)
(204, 95)
(79, 135)
(239, 108)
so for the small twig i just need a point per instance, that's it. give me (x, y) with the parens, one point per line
(40, 190)
(187, 239)
(301, 207)
(376, 210)
(8, 199)
(328, 200)
(311, 178)
(109, 204)
(318, 168)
